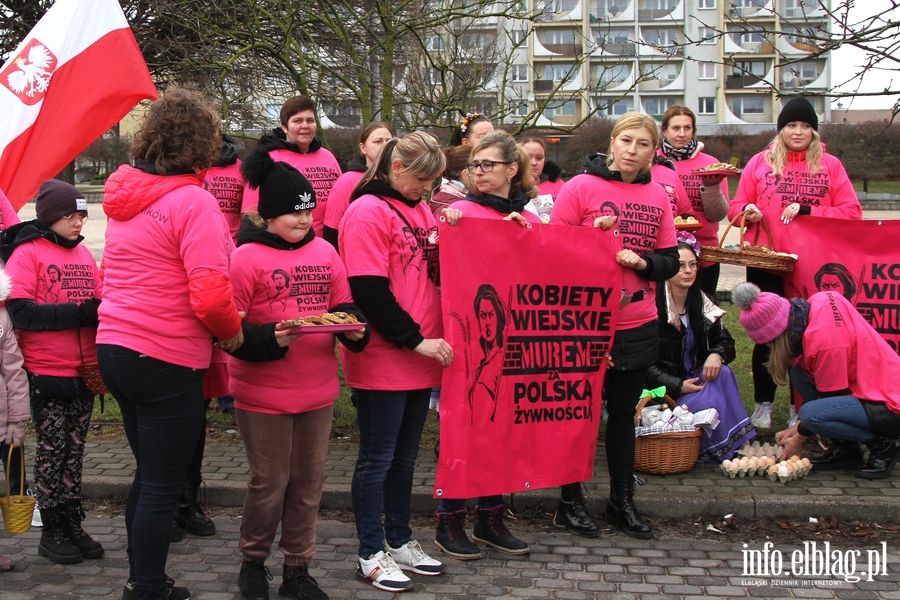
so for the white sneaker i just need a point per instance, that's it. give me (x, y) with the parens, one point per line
(411, 557)
(792, 420)
(762, 416)
(36, 515)
(381, 571)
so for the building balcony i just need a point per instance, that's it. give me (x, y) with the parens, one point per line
(739, 82)
(622, 10)
(732, 47)
(670, 15)
(564, 50)
(616, 49)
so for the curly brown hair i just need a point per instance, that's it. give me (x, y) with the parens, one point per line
(180, 133)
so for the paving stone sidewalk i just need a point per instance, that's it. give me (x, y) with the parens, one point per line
(703, 490)
(560, 566)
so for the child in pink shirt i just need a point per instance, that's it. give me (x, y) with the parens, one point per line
(285, 383)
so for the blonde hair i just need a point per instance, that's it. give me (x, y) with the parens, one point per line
(418, 152)
(780, 358)
(631, 120)
(777, 155)
(513, 152)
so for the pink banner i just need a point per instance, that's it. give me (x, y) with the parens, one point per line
(530, 314)
(858, 259)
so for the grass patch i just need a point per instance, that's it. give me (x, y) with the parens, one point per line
(879, 187)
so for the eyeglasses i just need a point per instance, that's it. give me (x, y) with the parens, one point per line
(693, 266)
(76, 218)
(486, 165)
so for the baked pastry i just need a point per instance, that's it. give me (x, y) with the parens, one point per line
(335, 318)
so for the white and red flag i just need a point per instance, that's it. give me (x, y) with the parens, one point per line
(74, 76)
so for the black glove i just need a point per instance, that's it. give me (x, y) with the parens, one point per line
(87, 313)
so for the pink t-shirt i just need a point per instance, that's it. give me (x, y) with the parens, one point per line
(8, 216)
(147, 259)
(274, 285)
(322, 170)
(479, 211)
(339, 198)
(374, 240)
(671, 184)
(227, 186)
(49, 274)
(551, 187)
(708, 235)
(828, 193)
(645, 224)
(842, 351)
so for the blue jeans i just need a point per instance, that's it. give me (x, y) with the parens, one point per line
(453, 504)
(838, 417)
(162, 411)
(390, 427)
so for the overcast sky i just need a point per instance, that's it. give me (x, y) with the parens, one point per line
(844, 61)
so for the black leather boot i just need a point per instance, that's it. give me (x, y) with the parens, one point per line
(490, 530)
(89, 547)
(883, 455)
(450, 536)
(621, 511)
(842, 454)
(55, 544)
(572, 513)
(188, 515)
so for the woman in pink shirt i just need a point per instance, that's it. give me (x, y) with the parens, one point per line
(167, 301)
(790, 179)
(285, 383)
(641, 217)
(844, 370)
(371, 139)
(546, 175)
(387, 244)
(708, 194)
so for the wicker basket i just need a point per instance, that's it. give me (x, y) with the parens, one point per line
(747, 258)
(665, 453)
(17, 510)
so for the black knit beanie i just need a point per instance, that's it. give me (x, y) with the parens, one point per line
(798, 109)
(57, 199)
(282, 188)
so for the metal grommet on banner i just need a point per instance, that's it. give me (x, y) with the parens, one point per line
(616, 232)
(879, 222)
(442, 219)
(527, 485)
(438, 492)
(528, 225)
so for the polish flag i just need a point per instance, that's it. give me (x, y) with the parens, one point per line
(76, 75)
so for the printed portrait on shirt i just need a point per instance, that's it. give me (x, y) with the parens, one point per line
(280, 289)
(410, 250)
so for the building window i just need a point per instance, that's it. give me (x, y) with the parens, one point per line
(520, 72)
(519, 38)
(664, 72)
(566, 109)
(707, 106)
(748, 36)
(706, 3)
(273, 112)
(607, 8)
(431, 75)
(613, 36)
(660, 4)
(748, 105)
(707, 35)
(555, 37)
(707, 70)
(520, 109)
(657, 106)
(560, 72)
(434, 42)
(619, 107)
(806, 70)
(607, 75)
(750, 67)
(667, 39)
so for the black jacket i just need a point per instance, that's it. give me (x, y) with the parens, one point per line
(669, 368)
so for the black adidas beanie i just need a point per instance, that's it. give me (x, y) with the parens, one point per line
(798, 109)
(282, 188)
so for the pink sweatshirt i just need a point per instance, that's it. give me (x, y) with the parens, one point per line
(645, 223)
(50, 274)
(479, 211)
(161, 231)
(708, 235)
(274, 285)
(339, 198)
(227, 186)
(322, 170)
(8, 216)
(842, 351)
(375, 241)
(671, 184)
(551, 187)
(828, 193)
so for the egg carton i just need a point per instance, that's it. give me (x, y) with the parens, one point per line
(783, 471)
(756, 449)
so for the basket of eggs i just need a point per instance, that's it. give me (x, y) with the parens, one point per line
(665, 453)
(747, 254)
